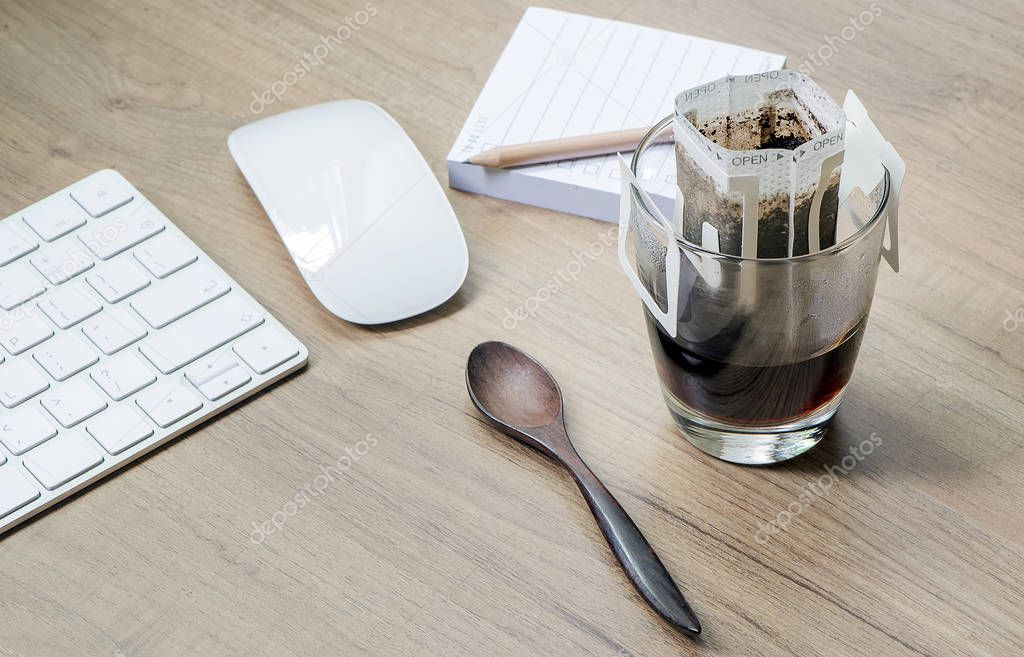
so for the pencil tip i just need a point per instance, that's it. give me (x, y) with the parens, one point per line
(486, 159)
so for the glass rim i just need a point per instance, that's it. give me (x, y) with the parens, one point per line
(861, 233)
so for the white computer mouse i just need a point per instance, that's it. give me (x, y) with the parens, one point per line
(358, 208)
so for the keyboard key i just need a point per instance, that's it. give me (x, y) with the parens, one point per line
(17, 285)
(20, 331)
(102, 192)
(181, 294)
(168, 403)
(25, 428)
(218, 375)
(229, 381)
(61, 266)
(15, 490)
(264, 349)
(164, 255)
(62, 459)
(207, 368)
(65, 356)
(13, 245)
(113, 330)
(68, 306)
(117, 280)
(200, 333)
(118, 232)
(122, 376)
(19, 381)
(72, 402)
(119, 428)
(55, 218)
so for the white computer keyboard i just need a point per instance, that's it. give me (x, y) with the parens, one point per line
(116, 334)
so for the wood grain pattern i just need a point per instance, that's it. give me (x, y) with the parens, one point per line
(407, 526)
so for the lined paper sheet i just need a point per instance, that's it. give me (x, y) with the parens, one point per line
(563, 75)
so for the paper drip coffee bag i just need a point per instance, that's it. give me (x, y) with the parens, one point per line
(758, 162)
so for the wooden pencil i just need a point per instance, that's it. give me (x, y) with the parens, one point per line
(554, 150)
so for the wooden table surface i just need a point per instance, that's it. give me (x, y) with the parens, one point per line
(436, 536)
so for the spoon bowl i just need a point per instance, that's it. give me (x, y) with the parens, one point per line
(515, 392)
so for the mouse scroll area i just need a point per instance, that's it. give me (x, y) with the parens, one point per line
(400, 264)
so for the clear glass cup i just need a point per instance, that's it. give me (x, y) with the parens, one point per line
(754, 355)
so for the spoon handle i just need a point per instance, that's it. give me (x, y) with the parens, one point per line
(636, 555)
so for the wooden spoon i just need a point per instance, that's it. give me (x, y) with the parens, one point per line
(521, 398)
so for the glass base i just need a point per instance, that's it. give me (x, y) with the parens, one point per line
(753, 445)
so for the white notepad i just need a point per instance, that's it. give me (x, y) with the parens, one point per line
(563, 75)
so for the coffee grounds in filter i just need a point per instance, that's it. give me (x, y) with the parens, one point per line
(778, 113)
